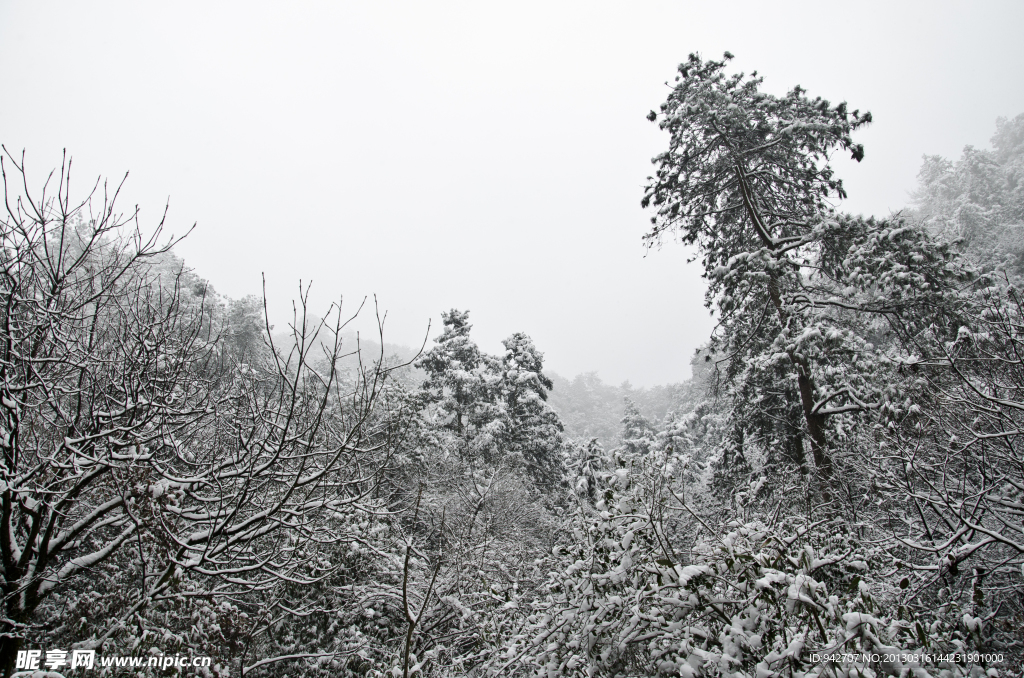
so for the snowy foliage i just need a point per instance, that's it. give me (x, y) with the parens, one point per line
(648, 587)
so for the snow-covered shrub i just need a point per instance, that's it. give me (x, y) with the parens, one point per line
(766, 597)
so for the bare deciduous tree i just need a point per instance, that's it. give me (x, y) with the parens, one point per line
(97, 367)
(961, 466)
(141, 472)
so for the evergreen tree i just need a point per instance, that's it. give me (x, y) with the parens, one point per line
(532, 430)
(638, 435)
(454, 381)
(816, 310)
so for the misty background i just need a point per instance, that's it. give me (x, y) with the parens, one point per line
(488, 157)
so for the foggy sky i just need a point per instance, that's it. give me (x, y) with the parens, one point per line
(477, 155)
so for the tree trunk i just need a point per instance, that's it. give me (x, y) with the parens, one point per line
(815, 422)
(794, 449)
(815, 426)
(8, 651)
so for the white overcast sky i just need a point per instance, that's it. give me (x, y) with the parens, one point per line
(487, 156)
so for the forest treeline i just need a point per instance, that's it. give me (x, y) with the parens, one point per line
(837, 491)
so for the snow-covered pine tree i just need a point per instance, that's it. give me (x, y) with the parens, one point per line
(816, 311)
(532, 430)
(747, 179)
(456, 381)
